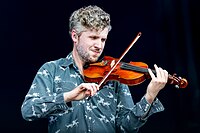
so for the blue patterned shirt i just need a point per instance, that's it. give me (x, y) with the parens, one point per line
(110, 110)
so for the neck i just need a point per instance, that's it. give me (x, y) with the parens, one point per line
(78, 61)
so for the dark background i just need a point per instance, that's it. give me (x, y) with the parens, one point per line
(33, 32)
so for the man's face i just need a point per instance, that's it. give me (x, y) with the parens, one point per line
(91, 44)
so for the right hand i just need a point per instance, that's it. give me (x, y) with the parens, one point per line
(80, 92)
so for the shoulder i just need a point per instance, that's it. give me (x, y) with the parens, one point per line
(50, 65)
(58, 63)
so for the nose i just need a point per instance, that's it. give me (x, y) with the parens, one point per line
(98, 44)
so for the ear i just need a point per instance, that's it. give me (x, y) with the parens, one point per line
(74, 36)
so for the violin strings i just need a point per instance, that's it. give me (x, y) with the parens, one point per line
(134, 68)
(172, 79)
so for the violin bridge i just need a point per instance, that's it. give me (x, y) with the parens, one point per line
(112, 63)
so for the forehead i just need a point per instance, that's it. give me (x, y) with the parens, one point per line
(93, 32)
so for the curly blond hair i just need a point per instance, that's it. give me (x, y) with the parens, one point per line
(90, 17)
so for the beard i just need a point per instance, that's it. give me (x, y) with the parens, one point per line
(85, 56)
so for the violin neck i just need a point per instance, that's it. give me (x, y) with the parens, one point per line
(172, 79)
(127, 66)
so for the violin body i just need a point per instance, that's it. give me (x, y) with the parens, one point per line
(97, 71)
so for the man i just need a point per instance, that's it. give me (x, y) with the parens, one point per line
(60, 94)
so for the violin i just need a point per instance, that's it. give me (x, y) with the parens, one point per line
(132, 73)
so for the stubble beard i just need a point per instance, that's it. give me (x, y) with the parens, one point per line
(85, 56)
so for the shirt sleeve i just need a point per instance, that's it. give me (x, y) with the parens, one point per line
(148, 109)
(42, 100)
(131, 116)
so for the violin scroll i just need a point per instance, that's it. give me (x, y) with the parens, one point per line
(178, 81)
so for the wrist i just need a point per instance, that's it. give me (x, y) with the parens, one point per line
(66, 96)
(150, 97)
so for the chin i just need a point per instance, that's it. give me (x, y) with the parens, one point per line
(92, 60)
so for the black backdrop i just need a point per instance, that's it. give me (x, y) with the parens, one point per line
(35, 31)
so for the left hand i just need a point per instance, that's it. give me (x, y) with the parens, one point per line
(157, 83)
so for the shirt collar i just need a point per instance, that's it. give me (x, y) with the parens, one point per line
(67, 61)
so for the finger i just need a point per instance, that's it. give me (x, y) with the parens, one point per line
(151, 73)
(94, 88)
(91, 88)
(158, 75)
(163, 76)
(85, 87)
(87, 93)
(166, 75)
(161, 73)
(88, 88)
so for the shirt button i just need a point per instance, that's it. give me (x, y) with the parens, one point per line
(146, 107)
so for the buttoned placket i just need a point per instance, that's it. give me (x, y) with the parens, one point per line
(89, 117)
(88, 105)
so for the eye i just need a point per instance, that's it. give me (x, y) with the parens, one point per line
(94, 37)
(103, 39)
